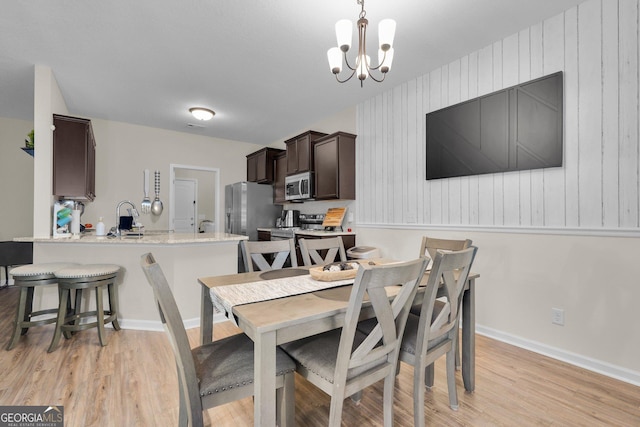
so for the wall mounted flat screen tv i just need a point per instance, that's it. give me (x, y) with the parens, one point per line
(517, 128)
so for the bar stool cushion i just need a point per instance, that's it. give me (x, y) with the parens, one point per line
(40, 269)
(87, 270)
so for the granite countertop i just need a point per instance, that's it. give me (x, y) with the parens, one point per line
(314, 232)
(149, 238)
(324, 233)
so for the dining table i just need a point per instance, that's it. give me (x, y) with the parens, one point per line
(273, 315)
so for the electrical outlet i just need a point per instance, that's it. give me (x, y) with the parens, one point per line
(557, 316)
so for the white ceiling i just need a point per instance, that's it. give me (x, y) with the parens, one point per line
(261, 65)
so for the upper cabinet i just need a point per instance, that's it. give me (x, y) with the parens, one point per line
(74, 159)
(300, 152)
(280, 165)
(335, 166)
(260, 165)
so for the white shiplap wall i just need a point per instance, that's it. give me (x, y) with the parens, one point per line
(596, 45)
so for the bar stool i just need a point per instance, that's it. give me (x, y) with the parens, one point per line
(90, 276)
(27, 278)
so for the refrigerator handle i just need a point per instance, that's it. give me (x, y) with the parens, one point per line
(228, 223)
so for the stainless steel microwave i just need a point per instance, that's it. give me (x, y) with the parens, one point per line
(299, 186)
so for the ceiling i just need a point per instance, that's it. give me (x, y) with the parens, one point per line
(261, 65)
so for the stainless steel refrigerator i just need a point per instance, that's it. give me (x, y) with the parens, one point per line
(249, 206)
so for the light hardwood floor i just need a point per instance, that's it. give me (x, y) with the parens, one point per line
(132, 382)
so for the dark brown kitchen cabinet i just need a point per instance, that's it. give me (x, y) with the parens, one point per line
(280, 165)
(300, 152)
(264, 235)
(74, 158)
(335, 166)
(260, 165)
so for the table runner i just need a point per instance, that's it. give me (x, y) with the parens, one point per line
(224, 298)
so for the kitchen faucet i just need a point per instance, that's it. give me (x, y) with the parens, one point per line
(133, 212)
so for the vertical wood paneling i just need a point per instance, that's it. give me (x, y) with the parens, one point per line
(435, 186)
(426, 188)
(596, 45)
(485, 182)
(390, 158)
(452, 215)
(537, 176)
(511, 181)
(413, 173)
(629, 111)
(420, 157)
(525, 176)
(610, 116)
(590, 113)
(571, 108)
(553, 54)
(464, 181)
(397, 164)
(403, 152)
(474, 197)
(381, 183)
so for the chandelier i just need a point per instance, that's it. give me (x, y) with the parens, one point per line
(362, 67)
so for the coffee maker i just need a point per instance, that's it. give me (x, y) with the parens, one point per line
(290, 218)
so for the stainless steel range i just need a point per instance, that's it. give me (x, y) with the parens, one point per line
(311, 221)
(284, 233)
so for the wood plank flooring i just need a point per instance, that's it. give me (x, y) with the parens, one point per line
(132, 382)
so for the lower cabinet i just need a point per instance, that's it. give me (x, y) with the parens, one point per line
(264, 235)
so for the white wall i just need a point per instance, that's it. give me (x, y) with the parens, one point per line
(16, 180)
(124, 150)
(595, 193)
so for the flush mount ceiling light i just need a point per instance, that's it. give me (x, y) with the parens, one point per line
(202, 113)
(362, 67)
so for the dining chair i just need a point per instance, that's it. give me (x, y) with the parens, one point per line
(311, 249)
(428, 247)
(344, 361)
(277, 251)
(428, 337)
(219, 372)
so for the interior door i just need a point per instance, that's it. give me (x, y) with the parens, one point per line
(186, 201)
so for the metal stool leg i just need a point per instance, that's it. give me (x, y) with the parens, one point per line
(20, 315)
(113, 304)
(100, 315)
(64, 297)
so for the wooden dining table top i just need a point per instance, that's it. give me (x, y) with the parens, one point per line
(291, 310)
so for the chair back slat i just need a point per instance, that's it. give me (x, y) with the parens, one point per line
(278, 252)
(450, 271)
(390, 314)
(310, 250)
(430, 245)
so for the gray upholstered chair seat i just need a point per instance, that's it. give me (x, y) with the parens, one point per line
(319, 353)
(228, 363)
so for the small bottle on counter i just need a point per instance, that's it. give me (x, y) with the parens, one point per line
(100, 229)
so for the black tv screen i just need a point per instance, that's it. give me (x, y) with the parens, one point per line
(517, 128)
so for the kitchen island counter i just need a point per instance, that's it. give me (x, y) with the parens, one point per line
(183, 257)
(149, 238)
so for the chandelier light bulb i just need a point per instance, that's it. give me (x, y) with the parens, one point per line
(335, 60)
(385, 59)
(386, 33)
(344, 30)
(201, 113)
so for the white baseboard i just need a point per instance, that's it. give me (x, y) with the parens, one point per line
(156, 325)
(604, 368)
